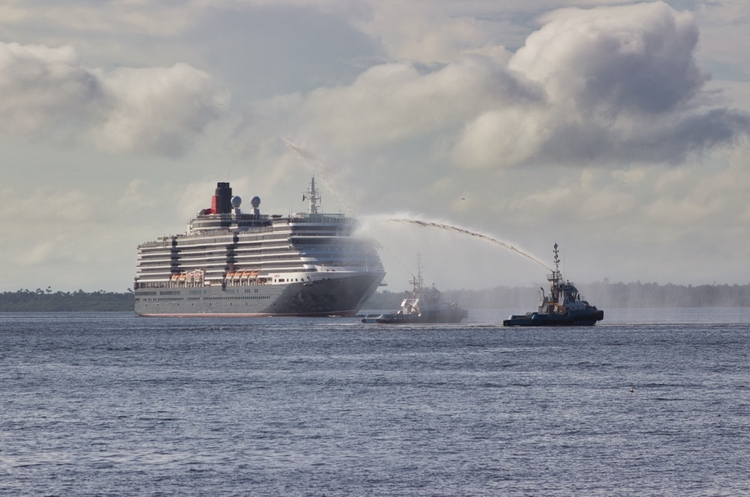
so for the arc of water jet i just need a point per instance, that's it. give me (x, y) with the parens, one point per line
(448, 227)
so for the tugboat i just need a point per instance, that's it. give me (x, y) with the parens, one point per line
(423, 305)
(562, 307)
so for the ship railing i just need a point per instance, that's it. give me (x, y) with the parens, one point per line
(230, 230)
(304, 217)
(162, 242)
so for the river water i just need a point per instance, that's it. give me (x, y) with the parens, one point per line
(650, 402)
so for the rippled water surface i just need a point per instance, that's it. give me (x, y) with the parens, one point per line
(112, 404)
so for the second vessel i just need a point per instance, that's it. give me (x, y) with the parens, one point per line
(422, 305)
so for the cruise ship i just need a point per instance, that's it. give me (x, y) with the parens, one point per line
(235, 264)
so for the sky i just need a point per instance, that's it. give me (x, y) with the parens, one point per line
(617, 129)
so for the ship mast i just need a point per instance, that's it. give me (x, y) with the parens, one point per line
(313, 196)
(555, 278)
(556, 260)
(417, 281)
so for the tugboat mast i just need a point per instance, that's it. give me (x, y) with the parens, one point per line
(555, 279)
(416, 281)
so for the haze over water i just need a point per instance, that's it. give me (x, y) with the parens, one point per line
(112, 404)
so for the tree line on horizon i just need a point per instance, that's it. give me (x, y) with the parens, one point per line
(78, 301)
(601, 294)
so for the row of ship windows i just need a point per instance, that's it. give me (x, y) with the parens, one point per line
(255, 253)
(307, 247)
(175, 299)
(219, 259)
(142, 293)
(270, 234)
(309, 240)
(277, 266)
(247, 248)
(218, 243)
(246, 260)
(281, 245)
(215, 250)
(218, 271)
(247, 265)
(254, 258)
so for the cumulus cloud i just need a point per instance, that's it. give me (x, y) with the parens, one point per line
(401, 101)
(604, 61)
(47, 91)
(422, 30)
(159, 109)
(43, 87)
(622, 85)
(607, 85)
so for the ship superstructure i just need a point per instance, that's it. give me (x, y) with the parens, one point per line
(232, 263)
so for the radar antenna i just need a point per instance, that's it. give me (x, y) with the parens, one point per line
(313, 196)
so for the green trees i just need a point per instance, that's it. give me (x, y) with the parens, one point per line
(600, 294)
(79, 301)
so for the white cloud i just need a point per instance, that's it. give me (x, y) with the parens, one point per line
(604, 61)
(501, 138)
(623, 85)
(47, 91)
(157, 109)
(397, 102)
(607, 86)
(422, 31)
(43, 88)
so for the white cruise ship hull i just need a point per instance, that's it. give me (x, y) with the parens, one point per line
(340, 296)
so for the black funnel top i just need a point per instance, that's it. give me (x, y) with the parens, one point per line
(223, 198)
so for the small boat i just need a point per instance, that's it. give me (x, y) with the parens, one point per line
(422, 305)
(564, 306)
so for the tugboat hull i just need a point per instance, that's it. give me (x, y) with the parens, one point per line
(536, 319)
(454, 316)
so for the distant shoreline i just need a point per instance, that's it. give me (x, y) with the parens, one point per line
(78, 301)
(604, 295)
